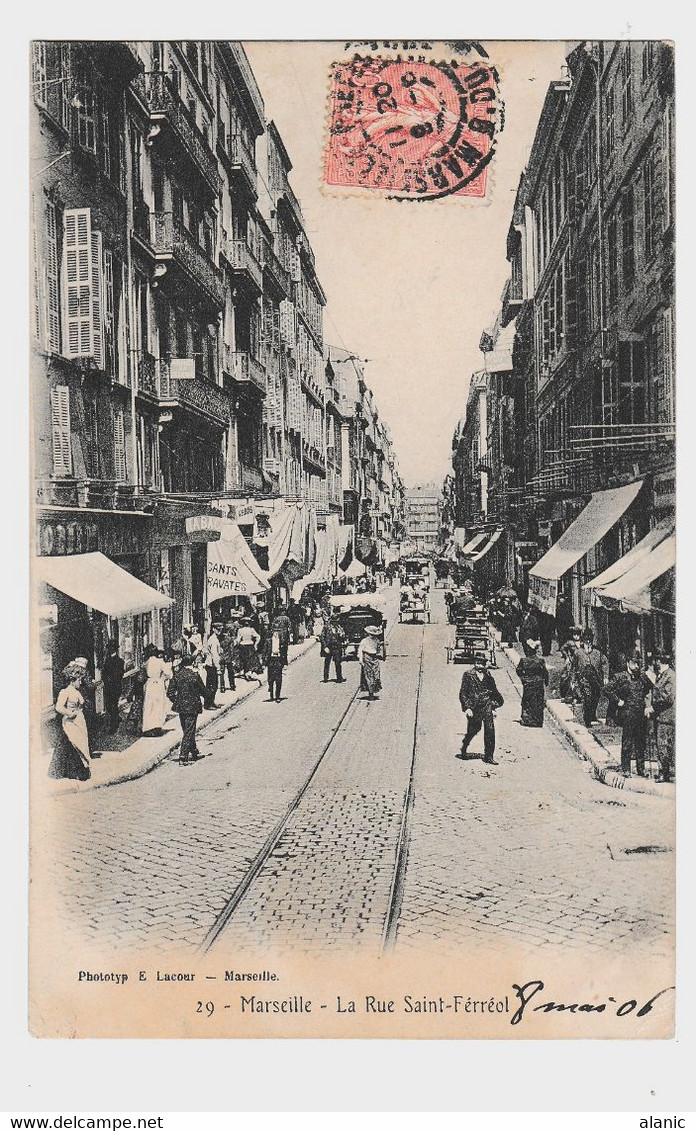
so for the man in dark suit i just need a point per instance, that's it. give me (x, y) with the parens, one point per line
(479, 697)
(186, 689)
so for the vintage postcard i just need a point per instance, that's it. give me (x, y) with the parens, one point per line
(353, 539)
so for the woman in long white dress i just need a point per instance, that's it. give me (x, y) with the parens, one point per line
(71, 757)
(155, 699)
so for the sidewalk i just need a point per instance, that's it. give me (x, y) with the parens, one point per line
(601, 746)
(119, 758)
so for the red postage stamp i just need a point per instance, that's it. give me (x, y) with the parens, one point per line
(412, 130)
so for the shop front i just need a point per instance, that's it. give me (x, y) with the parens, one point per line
(84, 602)
(634, 597)
(565, 567)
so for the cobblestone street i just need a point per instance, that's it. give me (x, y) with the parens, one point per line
(530, 851)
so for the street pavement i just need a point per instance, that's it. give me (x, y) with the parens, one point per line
(532, 850)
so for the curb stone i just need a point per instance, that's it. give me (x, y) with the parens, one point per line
(155, 759)
(585, 745)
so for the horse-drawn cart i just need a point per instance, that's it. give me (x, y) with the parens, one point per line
(355, 612)
(471, 633)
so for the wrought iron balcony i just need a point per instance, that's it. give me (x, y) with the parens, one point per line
(250, 478)
(245, 369)
(244, 256)
(193, 393)
(239, 156)
(275, 269)
(167, 110)
(169, 239)
(147, 374)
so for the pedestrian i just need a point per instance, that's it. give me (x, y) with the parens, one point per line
(479, 697)
(545, 633)
(508, 623)
(588, 676)
(155, 692)
(295, 617)
(564, 620)
(565, 683)
(71, 756)
(332, 641)
(529, 629)
(247, 641)
(275, 658)
(195, 639)
(186, 691)
(214, 654)
(228, 641)
(534, 675)
(662, 707)
(369, 651)
(629, 691)
(112, 678)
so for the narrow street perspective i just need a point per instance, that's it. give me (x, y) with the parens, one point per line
(288, 832)
(354, 537)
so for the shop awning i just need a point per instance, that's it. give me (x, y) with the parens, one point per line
(232, 570)
(94, 580)
(474, 543)
(489, 544)
(634, 557)
(601, 513)
(630, 593)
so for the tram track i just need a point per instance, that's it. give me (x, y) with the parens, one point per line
(225, 919)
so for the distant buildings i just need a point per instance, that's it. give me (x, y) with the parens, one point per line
(423, 516)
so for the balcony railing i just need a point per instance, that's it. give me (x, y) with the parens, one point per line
(147, 374)
(193, 393)
(244, 255)
(168, 237)
(244, 368)
(165, 105)
(239, 155)
(250, 478)
(275, 268)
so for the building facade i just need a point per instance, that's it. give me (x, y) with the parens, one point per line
(586, 407)
(178, 362)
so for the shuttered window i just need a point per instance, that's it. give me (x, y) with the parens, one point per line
(97, 298)
(39, 74)
(52, 276)
(60, 429)
(85, 109)
(77, 275)
(36, 289)
(120, 468)
(108, 310)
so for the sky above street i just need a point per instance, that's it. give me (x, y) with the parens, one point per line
(410, 285)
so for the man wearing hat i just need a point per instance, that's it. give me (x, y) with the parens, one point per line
(479, 698)
(186, 689)
(588, 676)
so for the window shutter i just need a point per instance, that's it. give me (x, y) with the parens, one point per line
(36, 291)
(60, 429)
(108, 306)
(98, 301)
(52, 281)
(668, 367)
(119, 446)
(77, 276)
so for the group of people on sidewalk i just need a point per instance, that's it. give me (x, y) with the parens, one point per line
(640, 697)
(187, 679)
